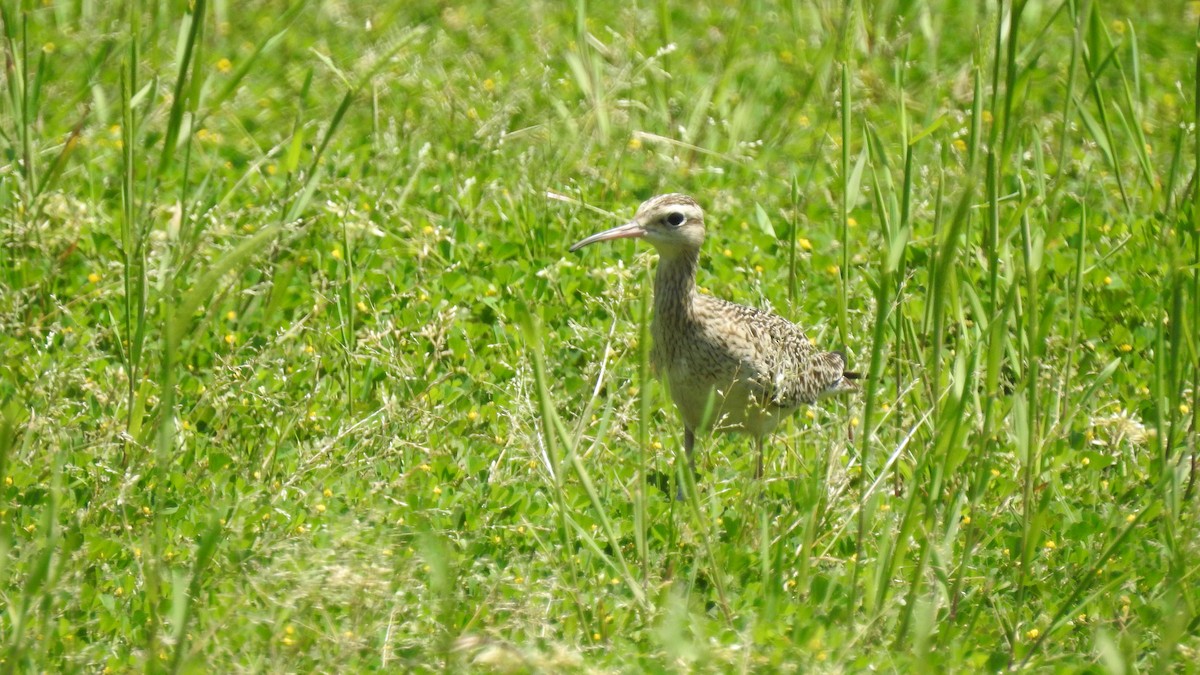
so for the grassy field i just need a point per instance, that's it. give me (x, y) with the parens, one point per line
(297, 374)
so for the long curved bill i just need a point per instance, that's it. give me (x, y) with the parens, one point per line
(633, 230)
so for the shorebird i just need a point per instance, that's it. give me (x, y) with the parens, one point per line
(728, 367)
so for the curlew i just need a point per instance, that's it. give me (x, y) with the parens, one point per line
(728, 367)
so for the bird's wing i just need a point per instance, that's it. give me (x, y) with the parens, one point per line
(819, 374)
(776, 361)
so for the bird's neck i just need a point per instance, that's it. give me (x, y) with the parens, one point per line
(675, 285)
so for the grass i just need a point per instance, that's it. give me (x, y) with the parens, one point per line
(296, 373)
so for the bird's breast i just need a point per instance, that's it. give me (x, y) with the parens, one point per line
(711, 382)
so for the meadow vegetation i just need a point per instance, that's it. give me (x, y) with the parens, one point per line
(297, 374)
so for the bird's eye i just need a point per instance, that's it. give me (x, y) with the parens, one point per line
(675, 219)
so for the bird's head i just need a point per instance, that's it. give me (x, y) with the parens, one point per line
(672, 223)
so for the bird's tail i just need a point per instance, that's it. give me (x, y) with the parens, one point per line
(845, 384)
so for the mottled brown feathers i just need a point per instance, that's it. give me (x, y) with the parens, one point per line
(728, 366)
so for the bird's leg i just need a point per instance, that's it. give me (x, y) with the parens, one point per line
(689, 442)
(758, 471)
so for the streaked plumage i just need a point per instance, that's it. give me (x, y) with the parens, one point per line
(728, 367)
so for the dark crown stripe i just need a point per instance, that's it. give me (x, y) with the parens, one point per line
(673, 199)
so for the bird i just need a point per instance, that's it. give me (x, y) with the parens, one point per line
(728, 367)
